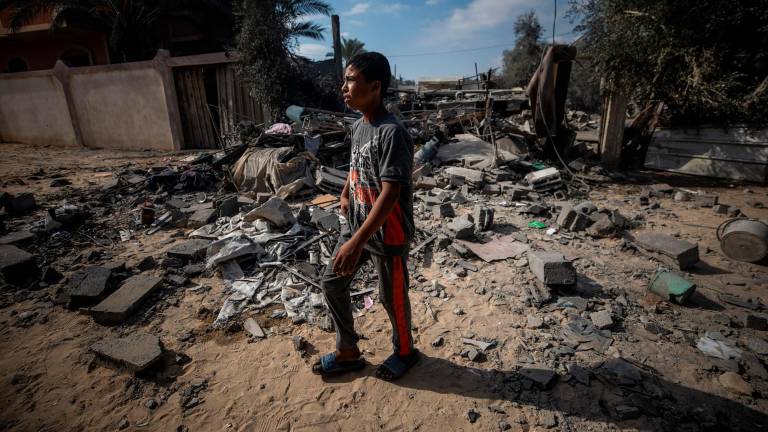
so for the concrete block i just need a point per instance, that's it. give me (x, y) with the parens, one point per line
(201, 217)
(462, 228)
(704, 200)
(17, 237)
(20, 204)
(228, 207)
(483, 217)
(116, 308)
(190, 250)
(88, 287)
(678, 252)
(566, 217)
(134, 353)
(552, 268)
(424, 182)
(16, 265)
(721, 209)
(491, 189)
(441, 211)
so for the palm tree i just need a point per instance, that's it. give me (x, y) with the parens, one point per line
(135, 28)
(293, 14)
(349, 48)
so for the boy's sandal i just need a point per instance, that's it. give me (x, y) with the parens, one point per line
(327, 365)
(395, 367)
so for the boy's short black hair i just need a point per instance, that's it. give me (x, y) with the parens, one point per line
(374, 67)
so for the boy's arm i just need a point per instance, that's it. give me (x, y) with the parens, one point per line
(345, 198)
(349, 253)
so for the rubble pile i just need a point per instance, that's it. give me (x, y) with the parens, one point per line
(525, 236)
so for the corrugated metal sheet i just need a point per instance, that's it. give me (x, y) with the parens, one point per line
(737, 153)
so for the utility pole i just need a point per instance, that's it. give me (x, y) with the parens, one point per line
(477, 77)
(337, 48)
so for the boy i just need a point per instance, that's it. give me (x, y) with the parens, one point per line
(378, 203)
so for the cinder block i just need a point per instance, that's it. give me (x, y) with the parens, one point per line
(552, 268)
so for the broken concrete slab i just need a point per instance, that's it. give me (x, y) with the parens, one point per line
(704, 200)
(602, 227)
(20, 204)
(470, 175)
(251, 326)
(88, 287)
(677, 252)
(17, 265)
(275, 210)
(201, 218)
(17, 237)
(552, 268)
(424, 182)
(134, 353)
(497, 249)
(441, 211)
(116, 308)
(542, 376)
(190, 251)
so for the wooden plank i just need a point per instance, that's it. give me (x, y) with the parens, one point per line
(612, 133)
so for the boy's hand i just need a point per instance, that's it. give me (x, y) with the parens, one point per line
(344, 206)
(346, 258)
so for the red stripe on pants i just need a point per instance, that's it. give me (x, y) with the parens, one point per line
(393, 228)
(398, 298)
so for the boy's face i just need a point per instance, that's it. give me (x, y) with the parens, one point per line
(358, 93)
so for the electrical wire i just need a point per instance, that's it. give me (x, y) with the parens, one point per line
(450, 52)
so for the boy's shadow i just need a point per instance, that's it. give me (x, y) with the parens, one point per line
(655, 398)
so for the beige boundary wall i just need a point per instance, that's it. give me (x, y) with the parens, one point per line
(130, 106)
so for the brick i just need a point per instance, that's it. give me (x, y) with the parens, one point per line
(16, 265)
(190, 251)
(89, 286)
(116, 308)
(677, 252)
(134, 353)
(552, 268)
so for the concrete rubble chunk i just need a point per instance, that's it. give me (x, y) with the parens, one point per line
(552, 268)
(88, 286)
(483, 217)
(585, 207)
(756, 322)
(679, 252)
(734, 383)
(116, 308)
(461, 227)
(201, 218)
(135, 352)
(601, 319)
(602, 227)
(190, 251)
(16, 237)
(16, 265)
(253, 328)
(470, 175)
(20, 204)
(424, 182)
(534, 322)
(545, 179)
(542, 376)
(441, 211)
(704, 200)
(275, 210)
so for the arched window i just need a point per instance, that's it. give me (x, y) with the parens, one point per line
(77, 56)
(17, 64)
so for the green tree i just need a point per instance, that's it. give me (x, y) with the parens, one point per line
(521, 61)
(135, 29)
(349, 48)
(268, 32)
(706, 63)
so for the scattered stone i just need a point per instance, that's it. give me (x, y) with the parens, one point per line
(757, 345)
(679, 252)
(681, 196)
(601, 319)
(116, 308)
(441, 211)
(734, 383)
(176, 280)
(721, 209)
(300, 344)
(20, 204)
(474, 355)
(547, 419)
(253, 327)
(504, 425)
(542, 376)
(552, 268)
(190, 251)
(438, 342)
(88, 287)
(123, 424)
(462, 228)
(534, 322)
(458, 311)
(626, 412)
(580, 374)
(602, 227)
(151, 404)
(59, 182)
(704, 200)
(17, 237)
(424, 182)
(585, 207)
(16, 265)
(473, 415)
(756, 322)
(147, 263)
(135, 352)
(201, 218)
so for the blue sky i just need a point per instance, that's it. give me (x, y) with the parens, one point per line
(436, 38)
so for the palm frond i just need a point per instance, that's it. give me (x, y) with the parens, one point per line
(307, 29)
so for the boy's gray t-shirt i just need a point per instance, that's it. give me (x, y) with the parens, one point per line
(382, 151)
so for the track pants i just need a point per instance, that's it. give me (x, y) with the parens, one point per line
(393, 292)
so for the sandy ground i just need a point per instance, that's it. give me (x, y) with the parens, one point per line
(48, 381)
